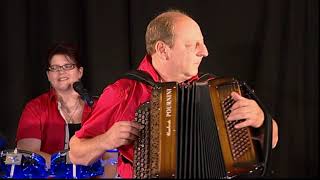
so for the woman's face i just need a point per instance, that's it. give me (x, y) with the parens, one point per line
(63, 72)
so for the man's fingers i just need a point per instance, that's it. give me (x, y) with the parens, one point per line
(235, 96)
(130, 123)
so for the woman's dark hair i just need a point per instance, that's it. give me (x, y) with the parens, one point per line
(64, 48)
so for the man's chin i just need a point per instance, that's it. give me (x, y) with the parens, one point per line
(194, 73)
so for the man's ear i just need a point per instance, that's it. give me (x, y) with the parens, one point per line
(162, 49)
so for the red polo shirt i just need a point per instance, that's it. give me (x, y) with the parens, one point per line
(118, 102)
(42, 120)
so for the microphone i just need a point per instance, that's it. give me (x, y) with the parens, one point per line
(78, 87)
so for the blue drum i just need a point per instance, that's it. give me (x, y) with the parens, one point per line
(21, 164)
(62, 168)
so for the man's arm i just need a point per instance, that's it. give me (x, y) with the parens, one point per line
(274, 133)
(85, 151)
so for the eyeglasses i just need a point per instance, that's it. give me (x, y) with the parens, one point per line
(66, 67)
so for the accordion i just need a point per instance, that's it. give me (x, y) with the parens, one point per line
(186, 134)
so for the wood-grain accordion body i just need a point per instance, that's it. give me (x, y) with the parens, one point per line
(186, 134)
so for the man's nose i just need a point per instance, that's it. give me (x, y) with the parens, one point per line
(203, 51)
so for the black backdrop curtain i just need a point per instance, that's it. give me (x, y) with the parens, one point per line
(271, 44)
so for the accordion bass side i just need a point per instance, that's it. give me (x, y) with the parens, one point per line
(186, 134)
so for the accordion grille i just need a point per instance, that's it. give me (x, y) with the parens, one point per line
(142, 145)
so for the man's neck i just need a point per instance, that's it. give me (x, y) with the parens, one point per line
(164, 74)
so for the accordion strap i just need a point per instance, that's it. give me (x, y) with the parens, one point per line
(144, 77)
(267, 125)
(205, 76)
(140, 76)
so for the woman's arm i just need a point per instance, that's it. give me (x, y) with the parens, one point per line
(34, 145)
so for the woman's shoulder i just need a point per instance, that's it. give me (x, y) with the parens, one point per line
(41, 99)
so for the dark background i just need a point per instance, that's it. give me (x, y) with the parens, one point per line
(271, 44)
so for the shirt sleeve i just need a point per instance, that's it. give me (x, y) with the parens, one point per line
(30, 122)
(105, 113)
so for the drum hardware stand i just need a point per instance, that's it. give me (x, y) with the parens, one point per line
(74, 167)
(13, 159)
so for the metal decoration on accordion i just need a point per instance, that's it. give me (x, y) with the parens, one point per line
(186, 134)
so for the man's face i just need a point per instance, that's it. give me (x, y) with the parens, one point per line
(188, 50)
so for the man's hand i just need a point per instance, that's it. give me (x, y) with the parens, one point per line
(252, 114)
(246, 109)
(122, 133)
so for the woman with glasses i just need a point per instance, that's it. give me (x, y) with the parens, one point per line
(48, 121)
(51, 119)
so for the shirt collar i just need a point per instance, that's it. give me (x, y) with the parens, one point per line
(146, 65)
(52, 94)
(53, 97)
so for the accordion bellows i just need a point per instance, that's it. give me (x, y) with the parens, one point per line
(186, 134)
